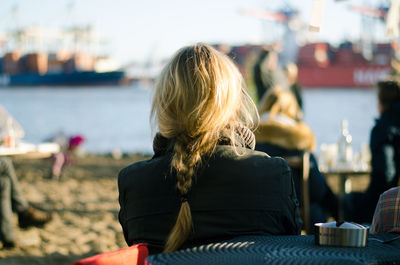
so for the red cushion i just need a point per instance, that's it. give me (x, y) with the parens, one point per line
(133, 255)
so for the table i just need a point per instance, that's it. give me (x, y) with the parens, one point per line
(343, 176)
(26, 150)
(260, 250)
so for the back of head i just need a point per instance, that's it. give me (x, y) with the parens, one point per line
(388, 93)
(199, 91)
(199, 95)
(280, 101)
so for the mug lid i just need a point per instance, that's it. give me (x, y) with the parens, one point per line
(346, 225)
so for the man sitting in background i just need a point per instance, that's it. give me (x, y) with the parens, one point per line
(11, 199)
(385, 159)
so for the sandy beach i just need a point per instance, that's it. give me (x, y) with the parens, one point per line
(84, 205)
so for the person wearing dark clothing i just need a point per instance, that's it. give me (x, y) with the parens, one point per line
(11, 199)
(294, 86)
(385, 156)
(258, 75)
(205, 183)
(268, 74)
(282, 133)
(226, 200)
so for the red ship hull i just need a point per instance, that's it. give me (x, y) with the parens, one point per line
(321, 65)
(342, 76)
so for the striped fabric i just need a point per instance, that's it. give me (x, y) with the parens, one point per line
(387, 213)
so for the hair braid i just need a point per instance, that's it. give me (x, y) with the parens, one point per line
(184, 162)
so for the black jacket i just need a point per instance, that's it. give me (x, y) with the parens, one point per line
(385, 167)
(233, 195)
(385, 151)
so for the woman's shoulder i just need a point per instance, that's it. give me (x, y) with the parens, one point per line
(251, 172)
(141, 169)
(235, 152)
(249, 159)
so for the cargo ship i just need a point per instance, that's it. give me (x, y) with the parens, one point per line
(31, 64)
(320, 65)
(350, 65)
(78, 78)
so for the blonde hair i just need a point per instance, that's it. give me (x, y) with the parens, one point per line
(199, 95)
(280, 101)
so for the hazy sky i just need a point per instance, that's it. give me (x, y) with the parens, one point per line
(151, 29)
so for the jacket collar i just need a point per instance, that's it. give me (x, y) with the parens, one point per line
(244, 137)
(393, 110)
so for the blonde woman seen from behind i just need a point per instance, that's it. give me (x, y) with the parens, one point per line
(205, 183)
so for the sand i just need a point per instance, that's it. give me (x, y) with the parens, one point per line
(85, 211)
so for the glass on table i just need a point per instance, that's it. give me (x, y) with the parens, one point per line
(327, 158)
(365, 155)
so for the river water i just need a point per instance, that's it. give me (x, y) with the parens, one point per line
(118, 117)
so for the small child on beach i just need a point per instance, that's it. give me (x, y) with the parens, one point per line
(67, 155)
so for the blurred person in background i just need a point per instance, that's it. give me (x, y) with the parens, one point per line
(282, 132)
(268, 73)
(294, 86)
(197, 188)
(12, 200)
(385, 155)
(69, 149)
